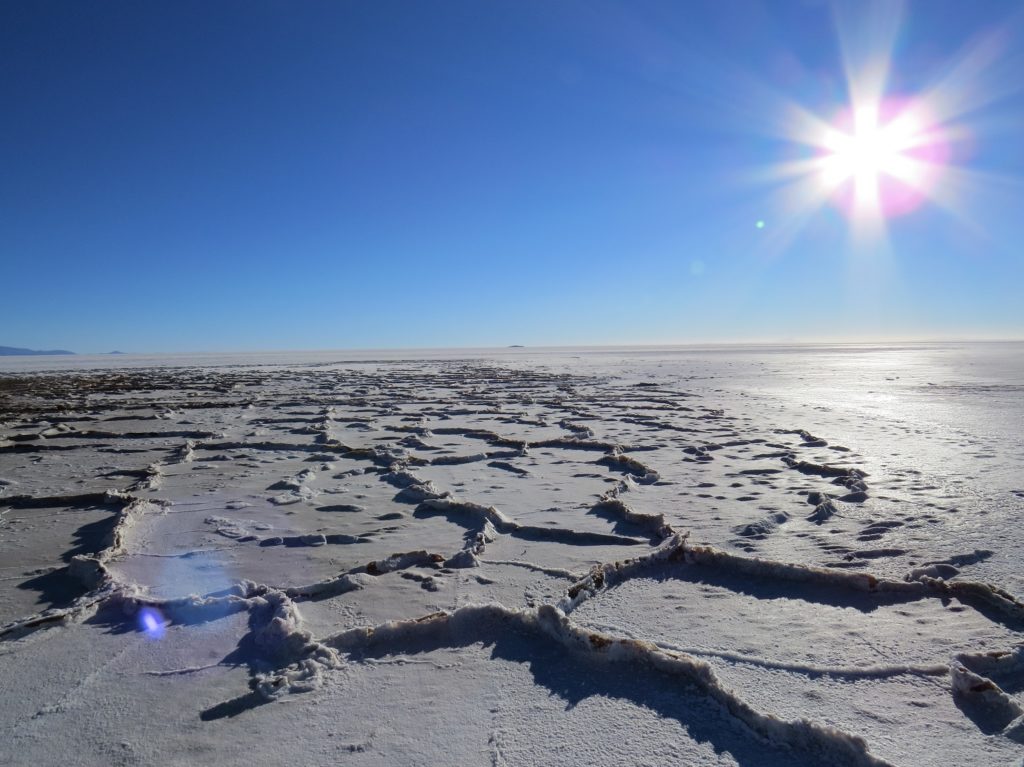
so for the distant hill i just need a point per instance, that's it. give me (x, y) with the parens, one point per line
(14, 351)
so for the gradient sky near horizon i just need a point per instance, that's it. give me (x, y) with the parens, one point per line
(196, 176)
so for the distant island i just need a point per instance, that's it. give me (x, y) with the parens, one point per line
(14, 351)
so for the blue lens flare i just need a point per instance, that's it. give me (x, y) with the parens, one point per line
(151, 622)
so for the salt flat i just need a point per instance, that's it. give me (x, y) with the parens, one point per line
(752, 556)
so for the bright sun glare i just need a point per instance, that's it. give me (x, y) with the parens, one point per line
(870, 151)
(878, 166)
(886, 154)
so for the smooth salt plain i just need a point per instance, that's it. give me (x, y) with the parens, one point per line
(736, 556)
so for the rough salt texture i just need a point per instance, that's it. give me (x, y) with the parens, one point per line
(753, 557)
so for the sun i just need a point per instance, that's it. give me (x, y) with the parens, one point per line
(864, 155)
(899, 142)
(875, 165)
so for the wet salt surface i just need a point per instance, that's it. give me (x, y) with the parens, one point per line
(792, 555)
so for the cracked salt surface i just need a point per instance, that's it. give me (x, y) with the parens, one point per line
(619, 557)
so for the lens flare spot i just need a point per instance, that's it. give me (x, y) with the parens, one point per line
(151, 622)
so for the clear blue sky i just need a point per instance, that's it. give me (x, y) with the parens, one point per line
(181, 176)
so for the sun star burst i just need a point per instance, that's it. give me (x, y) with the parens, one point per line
(874, 166)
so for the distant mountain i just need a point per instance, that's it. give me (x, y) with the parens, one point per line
(14, 351)
(116, 352)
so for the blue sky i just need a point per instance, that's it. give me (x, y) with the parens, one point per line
(183, 176)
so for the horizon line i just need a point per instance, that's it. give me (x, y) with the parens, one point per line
(553, 347)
